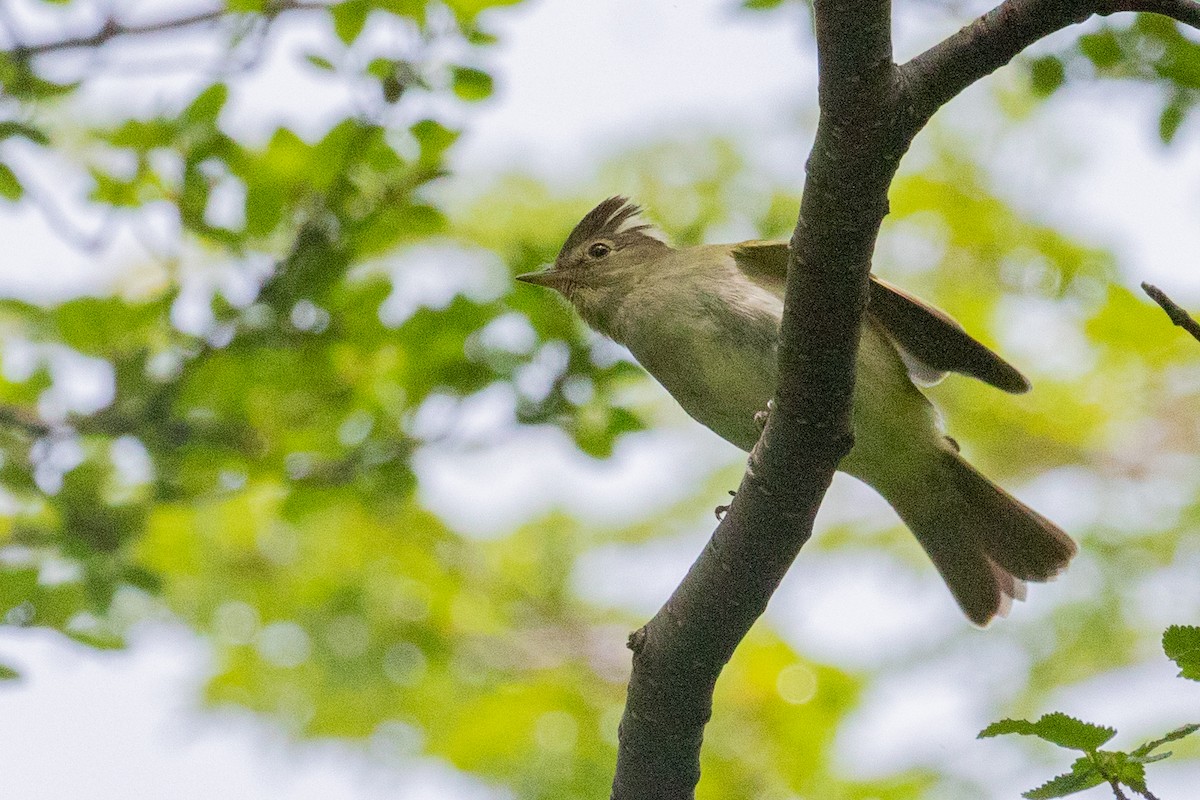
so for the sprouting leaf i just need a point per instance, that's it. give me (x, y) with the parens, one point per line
(1057, 728)
(1181, 643)
(1142, 753)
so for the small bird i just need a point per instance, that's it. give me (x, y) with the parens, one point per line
(704, 321)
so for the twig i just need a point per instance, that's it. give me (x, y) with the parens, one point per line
(1178, 316)
(112, 28)
(13, 417)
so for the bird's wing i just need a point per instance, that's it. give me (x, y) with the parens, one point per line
(929, 340)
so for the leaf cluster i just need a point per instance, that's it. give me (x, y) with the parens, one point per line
(1117, 768)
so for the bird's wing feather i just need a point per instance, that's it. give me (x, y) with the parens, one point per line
(930, 341)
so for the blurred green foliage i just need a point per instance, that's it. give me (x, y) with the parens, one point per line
(1146, 48)
(255, 472)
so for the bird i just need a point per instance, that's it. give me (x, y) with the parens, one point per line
(704, 322)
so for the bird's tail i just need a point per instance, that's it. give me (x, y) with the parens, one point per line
(983, 541)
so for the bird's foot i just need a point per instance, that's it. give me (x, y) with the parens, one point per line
(760, 417)
(721, 511)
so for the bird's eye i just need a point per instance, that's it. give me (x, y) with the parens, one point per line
(599, 250)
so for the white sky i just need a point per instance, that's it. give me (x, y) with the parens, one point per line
(576, 81)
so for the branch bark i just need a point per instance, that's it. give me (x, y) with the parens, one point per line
(679, 654)
(936, 76)
(1176, 313)
(870, 112)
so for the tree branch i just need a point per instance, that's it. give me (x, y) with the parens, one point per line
(113, 28)
(936, 76)
(1184, 11)
(1178, 316)
(681, 651)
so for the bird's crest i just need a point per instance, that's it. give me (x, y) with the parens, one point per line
(615, 218)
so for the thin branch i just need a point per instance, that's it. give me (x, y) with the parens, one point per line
(1178, 316)
(113, 28)
(680, 653)
(23, 420)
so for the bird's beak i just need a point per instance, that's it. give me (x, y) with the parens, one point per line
(546, 276)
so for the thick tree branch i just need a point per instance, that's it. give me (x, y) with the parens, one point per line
(681, 651)
(936, 76)
(1178, 316)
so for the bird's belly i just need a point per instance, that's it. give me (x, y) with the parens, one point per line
(724, 387)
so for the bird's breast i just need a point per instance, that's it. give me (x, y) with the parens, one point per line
(717, 359)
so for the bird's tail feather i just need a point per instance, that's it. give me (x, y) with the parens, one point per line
(983, 541)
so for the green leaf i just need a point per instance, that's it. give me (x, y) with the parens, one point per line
(1058, 728)
(349, 19)
(114, 191)
(1103, 49)
(471, 84)
(10, 187)
(434, 138)
(20, 81)
(480, 38)
(16, 587)
(1083, 775)
(1046, 75)
(144, 134)
(10, 128)
(467, 10)
(320, 62)
(1170, 119)
(761, 5)
(100, 640)
(1181, 643)
(412, 9)
(207, 106)
(7, 673)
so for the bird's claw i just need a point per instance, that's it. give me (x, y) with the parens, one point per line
(761, 417)
(721, 511)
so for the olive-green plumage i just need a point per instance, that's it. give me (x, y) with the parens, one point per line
(704, 321)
